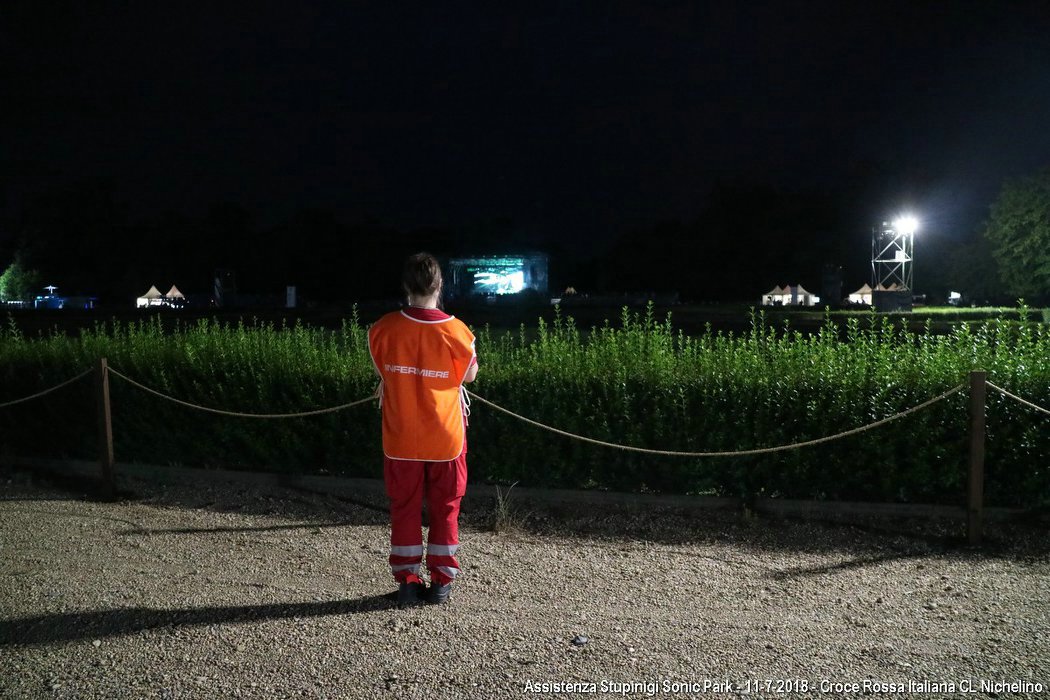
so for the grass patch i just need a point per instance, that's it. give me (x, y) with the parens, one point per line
(507, 517)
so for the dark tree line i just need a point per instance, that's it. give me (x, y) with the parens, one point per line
(746, 239)
(80, 239)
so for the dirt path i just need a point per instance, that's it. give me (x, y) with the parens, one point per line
(215, 592)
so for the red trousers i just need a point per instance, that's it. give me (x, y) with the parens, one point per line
(443, 485)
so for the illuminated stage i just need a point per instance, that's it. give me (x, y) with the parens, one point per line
(496, 275)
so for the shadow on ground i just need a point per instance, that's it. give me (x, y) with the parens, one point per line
(286, 501)
(869, 539)
(64, 627)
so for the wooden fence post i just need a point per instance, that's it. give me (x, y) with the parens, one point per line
(975, 507)
(105, 426)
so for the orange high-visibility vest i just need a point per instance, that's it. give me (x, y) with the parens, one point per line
(422, 365)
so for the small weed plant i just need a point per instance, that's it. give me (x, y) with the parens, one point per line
(506, 517)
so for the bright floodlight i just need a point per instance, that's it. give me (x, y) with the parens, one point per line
(906, 225)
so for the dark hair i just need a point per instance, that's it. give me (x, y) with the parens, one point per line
(421, 276)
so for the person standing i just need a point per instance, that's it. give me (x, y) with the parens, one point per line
(423, 357)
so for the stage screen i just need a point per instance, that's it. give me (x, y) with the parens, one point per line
(497, 275)
(501, 278)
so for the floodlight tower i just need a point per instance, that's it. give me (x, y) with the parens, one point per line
(892, 253)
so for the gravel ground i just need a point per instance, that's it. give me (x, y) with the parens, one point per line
(216, 591)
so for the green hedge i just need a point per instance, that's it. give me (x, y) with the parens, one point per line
(637, 382)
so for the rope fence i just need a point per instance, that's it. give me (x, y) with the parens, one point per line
(734, 453)
(1018, 399)
(977, 385)
(557, 431)
(45, 392)
(538, 424)
(236, 414)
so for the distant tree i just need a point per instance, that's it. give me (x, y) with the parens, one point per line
(971, 269)
(18, 282)
(1019, 233)
(76, 232)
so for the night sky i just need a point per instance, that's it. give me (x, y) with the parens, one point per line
(566, 126)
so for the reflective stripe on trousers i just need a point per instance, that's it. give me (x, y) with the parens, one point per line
(443, 485)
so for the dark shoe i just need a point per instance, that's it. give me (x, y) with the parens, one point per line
(438, 593)
(409, 594)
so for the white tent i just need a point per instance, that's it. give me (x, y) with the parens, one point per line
(801, 297)
(790, 296)
(174, 293)
(151, 298)
(862, 295)
(772, 297)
